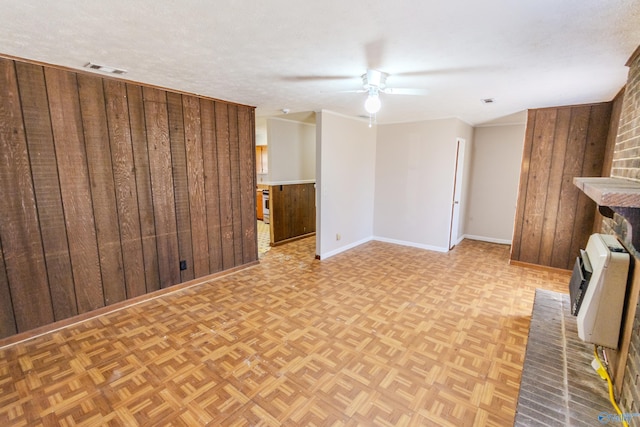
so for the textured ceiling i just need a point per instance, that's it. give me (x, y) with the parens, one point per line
(298, 54)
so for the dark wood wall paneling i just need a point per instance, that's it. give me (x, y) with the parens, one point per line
(553, 218)
(107, 186)
(292, 209)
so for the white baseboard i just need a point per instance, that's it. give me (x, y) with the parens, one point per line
(344, 248)
(487, 239)
(411, 244)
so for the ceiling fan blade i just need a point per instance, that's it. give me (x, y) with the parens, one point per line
(443, 71)
(374, 52)
(404, 91)
(346, 91)
(312, 78)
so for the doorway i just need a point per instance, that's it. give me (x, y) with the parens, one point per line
(454, 231)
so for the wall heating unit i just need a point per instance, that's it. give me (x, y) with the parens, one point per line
(597, 289)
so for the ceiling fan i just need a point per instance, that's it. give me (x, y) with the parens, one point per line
(374, 82)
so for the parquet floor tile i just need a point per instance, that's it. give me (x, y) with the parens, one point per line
(381, 335)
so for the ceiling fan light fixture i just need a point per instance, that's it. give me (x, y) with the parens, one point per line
(374, 78)
(372, 104)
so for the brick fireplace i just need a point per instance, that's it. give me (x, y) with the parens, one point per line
(625, 163)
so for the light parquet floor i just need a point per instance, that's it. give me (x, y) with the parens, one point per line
(380, 335)
(264, 239)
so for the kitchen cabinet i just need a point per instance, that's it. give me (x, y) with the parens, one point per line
(262, 165)
(259, 207)
(292, 211)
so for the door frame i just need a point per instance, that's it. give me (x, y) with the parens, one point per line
(456, 197)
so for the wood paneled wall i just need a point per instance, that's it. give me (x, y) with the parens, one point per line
(553, 218)
(107, 185)
(292, 210)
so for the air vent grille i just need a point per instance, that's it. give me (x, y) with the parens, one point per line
(105, 68)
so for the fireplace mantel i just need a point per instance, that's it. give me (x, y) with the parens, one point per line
(618, 195)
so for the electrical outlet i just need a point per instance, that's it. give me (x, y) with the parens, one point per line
(338, 236)
(183, 265)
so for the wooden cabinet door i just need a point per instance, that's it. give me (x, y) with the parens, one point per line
(261, 159)
(259, 212)
(265, 163)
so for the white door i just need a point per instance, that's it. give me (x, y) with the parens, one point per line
(454, 232)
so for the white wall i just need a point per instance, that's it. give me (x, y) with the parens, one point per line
(345, 153)
(292, 151)
(497, 156)
(261, 131)
(414, 172)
